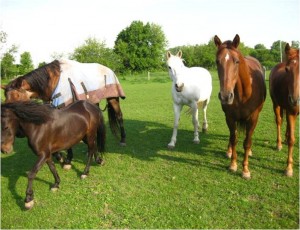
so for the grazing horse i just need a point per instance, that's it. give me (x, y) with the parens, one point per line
(284, 91)
(63, 81)
(50, 130)
(191, 87)
(242, 95)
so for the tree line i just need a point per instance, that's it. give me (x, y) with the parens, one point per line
(138, 48)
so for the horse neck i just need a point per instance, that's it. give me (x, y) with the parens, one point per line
(244, 81)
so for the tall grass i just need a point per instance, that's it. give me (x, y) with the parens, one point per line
(145, 185)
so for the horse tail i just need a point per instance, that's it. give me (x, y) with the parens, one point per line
(101, 134)
(113, 120)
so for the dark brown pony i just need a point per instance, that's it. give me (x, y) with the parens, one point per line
(50, 130)
(242, 95)
(41, 83)
(284, 91)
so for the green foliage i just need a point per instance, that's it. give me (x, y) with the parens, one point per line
(146, 186)
(26, 64)
(8, 68)
(94, 51)
(141, 47)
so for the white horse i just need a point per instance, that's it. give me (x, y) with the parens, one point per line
(191, 87)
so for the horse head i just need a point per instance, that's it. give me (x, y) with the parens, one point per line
(176, 69)
(227, 60)
(9, 126)
(17, 90)
(292, 69)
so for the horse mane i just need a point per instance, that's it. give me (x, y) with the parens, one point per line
(37, 79)
(30, 111)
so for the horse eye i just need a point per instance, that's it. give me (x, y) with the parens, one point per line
(170, 68)
(236, 61)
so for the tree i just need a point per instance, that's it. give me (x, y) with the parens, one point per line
(8, 68)
(141, 47)
(94, 51)
(26, 64)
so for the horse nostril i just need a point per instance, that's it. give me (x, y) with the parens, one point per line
(230, 96)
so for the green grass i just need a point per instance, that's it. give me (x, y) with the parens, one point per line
(145, 185)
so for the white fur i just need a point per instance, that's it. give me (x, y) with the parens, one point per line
(197, 88)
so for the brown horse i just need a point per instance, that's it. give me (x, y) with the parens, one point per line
(284, 91)
(43, 126)
(242, 95)
(42, 83)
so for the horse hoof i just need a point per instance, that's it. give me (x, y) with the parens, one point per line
(83, 176)
(204, 130)
(196, 142)
(233, 168)
(279, 148)
(54, 189)
(122, 144)
(67, 167)
(246, 176)
(100, 162)
(289, 173)
(29, 205)
(170, 146)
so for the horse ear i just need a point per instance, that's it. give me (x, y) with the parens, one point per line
(287, 48)
(25, 85)
(168, 54)
(3, 87)
(217, 41)
(236, 41)
(179, 54)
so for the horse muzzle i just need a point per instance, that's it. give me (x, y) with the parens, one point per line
(226, 98)
(179, 88)
(6, 148)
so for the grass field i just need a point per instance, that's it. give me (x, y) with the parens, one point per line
(145, 185)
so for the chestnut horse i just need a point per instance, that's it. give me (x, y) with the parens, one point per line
(284, 91)
(42, 83)
(43, 126)
(242, 95)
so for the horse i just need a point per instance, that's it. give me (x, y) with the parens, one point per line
(284, 91)
(63, 81)
(50, 130)
(191, 87)
(242, 95)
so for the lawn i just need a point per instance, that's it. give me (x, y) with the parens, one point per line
(145, 185)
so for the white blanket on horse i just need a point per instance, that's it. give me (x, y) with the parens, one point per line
(85, 81)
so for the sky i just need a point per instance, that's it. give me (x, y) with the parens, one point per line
(48, 27)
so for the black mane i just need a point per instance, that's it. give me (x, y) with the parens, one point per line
(37, 79)
(29, 111)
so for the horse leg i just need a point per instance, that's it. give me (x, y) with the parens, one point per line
(55, 174)
(116, 118)
(68, 160)
(29, 202)
(91, 142)
(205, 124)
(250, 126)
(177, 109)
(278, 117)
(232, 143)
(195, 123)
(291, 120)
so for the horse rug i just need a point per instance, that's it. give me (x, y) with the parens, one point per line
(85, 81)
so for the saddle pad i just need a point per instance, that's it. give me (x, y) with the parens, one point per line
(88, 81)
